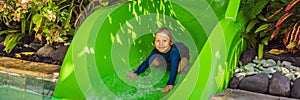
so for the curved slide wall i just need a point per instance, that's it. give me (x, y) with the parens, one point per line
(115, 39)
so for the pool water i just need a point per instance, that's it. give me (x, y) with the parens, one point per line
(147, 87)
(13, 93)
(22, 87)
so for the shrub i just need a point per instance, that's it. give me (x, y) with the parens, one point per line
(272, 19)
(50, 20)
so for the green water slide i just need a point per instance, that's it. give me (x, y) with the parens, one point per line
(116, 39)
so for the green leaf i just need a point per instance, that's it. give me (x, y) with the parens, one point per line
(23, 25)
(250, 25)
(265, 41)
(37, 19)
(263, 34)
(276, 51)
(30, 28)
(11, 41)
(262, 27)
(260, 51)
(71, 31)
(291, 45)
(7, 31)
(261, 17)
(46, 30)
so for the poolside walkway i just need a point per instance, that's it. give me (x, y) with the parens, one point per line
(236, 94)
(28, 68)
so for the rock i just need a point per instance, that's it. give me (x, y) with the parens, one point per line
(278, 63)
(261, 68)
(59, 53)
(240, 74)
(279, 85)
(294, 68)
(291, 76)
(248, 56)
(234, 82)
(259, 61)
(251, 73)
(256, 83)
(238, 70)
(269, 70)
(269, 62)
(284, 70)
(297, 73)
(295, 91)
(250, 67)
(35, 46)
(45, 51)
(275, 67)
(286, 63)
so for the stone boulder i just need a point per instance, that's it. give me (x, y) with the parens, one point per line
(234, 82)
(59, 53)
(35, 46)
(248, 56)
(279, 85)
(45, 51)
(256, 83)
(295, 91)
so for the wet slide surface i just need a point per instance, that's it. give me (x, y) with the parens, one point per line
(114, 40)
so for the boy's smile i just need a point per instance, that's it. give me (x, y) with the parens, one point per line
(162, 42)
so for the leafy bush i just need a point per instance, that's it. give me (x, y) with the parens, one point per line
(13, 15)
(272, 19)
(50, 20)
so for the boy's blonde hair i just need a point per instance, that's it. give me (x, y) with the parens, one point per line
(166, 31)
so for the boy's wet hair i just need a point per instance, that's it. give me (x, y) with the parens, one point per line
(166, 31)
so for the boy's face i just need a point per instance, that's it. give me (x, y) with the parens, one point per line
(162, 42)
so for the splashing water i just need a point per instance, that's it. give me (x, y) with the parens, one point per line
(143, 89)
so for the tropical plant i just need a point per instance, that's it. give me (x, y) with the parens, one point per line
(269, 20)
(12, 14)
(50, 20)
(288, 25)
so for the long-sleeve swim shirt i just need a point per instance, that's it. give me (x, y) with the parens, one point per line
(172, 56)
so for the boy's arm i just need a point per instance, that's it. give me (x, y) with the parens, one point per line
(145, 64)
(174, 68)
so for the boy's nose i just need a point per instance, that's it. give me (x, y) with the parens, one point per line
(161, 43)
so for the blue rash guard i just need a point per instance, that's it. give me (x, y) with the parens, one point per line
(171, 56)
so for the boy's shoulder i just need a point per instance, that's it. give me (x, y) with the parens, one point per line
(174, 49)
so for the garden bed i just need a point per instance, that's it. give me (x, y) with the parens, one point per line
(273, 75)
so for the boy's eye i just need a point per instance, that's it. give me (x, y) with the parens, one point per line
(165, 40)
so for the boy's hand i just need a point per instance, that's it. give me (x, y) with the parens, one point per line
(167, 88)
(132, 76)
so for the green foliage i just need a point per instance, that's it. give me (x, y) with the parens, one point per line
(262, 27)
(13, 15)
(260, 51)
(275, 19)
(11, 41)
(50, 20)
(253, 7)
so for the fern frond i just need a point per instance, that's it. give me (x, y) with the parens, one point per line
(254, 7)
